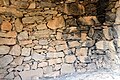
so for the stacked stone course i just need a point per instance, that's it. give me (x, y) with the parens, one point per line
(49, 38)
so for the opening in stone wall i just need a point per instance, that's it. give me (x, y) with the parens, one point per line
(59, 39)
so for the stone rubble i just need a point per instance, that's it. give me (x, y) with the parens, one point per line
(50, 38)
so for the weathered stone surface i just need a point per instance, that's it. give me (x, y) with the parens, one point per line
(55, 55)
(88, 20)
(11, 10)
(117, 30)
(61, 47)
(74, 44)
(26, 51)
(16, 50)
(52, 74)
(37, 56)
(27, 75)
(32, 5)
(67, 68)
(4, 61)
(23, 35)
(41, 26)
(25, 42)
(17, 78)
(18, 25)
(47, 69)
(57, 22)
(54, 61)
(4, 49)
(17, 61)
(26, 67)
(30, 20)
(6, 26)
(83, 36)
(117, 16)
(82, 52)
(11, 34)
(7, 41)
(106, 33)
(42, 64)
(70, 58)
(103, 45)
(85, 59)
(43, 41)
(10, 76)
(42, 34)
(22, 4)
(59, 35)
(34, 66)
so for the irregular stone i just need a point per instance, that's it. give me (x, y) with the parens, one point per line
(54, 61)
(117, 16)
(23, 35)
(106, 33)
(22, 4)
(41, 26)
(57, 22)
(34, 66)
(117, 29)
(25, 42)
(61, 47)
(30, 20)
(16, 50)
(19, 68)
(78, 9)
(26, 67)
(57, 67)
(81, 52)
(83, 36)
(67, 68)
(10, 75)
(27, 58)
(85, 59)
(70, 58)
(42, 64)
(6, 2)
(12, 11)
(32, 5)
(17, 78)
(17, 61)
(103, 45)
(42, 34)
(55, 55)
(37, 56)
(43, 41)
(6, 26)
(74, 44)
(4, 49)
(26, 51)
(4, 61)
(7, 41)
(47, 69)
(27, 75)
(89, 20)
(59, 35)
(11, 34)
(18, 25)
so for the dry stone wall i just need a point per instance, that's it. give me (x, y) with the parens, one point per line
(49, 38)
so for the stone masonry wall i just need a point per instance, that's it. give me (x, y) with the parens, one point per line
(49, 38)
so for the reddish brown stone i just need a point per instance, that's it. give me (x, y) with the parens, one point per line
(6, 26)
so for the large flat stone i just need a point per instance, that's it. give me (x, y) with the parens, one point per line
(4, 61)
(4, 49)
(11, 34)
(18, 25)
(7, 41)
(28, 75)
(16, 50)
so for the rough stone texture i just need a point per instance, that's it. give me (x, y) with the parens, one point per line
(43, 42)
(6, 41)
(23, 35)
(103, 45)
(67, 68)
(4, 50)
(37, 56)
(4, 61)
(17, 61)
(16, 50)
(55, 55)
(41, 26)
(18, 25)
(26, 51)
(70, 58)
(27, 75)
(11, 34)
(56, 23)
(6, 26)
(42, 64)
